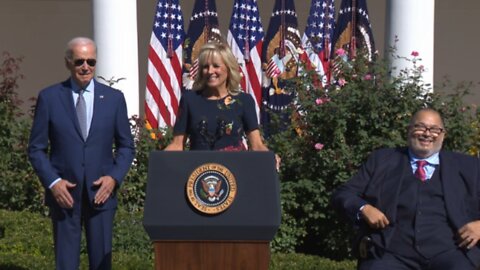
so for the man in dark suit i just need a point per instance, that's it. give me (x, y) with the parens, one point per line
(415, 207)
(81, 148)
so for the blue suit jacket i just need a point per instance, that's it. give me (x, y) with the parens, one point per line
(57, 149)
(378, 183)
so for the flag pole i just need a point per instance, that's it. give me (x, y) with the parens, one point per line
(207, 25)
(169, 37)
(353, 42)
(282, 30)
(246, 52)
(326, 40)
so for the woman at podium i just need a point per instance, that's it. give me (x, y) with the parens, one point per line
(216, 114)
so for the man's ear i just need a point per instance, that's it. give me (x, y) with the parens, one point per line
(67, 63)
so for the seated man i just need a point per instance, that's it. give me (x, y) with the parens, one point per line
(415, 207)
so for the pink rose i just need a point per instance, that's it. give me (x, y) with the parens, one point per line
(414, 53)
(367, 77)
(320, 101)
(340, 52)
(319, 146)
(342, 81)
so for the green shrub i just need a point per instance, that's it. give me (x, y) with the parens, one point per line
(19, 187)
(132, 192)
(308, 262)
(28, 245)
(129, 236)
(28, 242)
(334, 129)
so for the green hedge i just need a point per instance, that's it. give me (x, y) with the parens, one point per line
(27, 244)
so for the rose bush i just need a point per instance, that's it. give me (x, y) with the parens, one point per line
(335, 128)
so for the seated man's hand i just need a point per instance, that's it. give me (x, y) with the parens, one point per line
(469, 234)
(374, 217)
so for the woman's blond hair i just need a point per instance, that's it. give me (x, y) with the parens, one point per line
(207, 51)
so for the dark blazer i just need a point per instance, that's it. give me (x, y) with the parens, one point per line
(57, 149)
(378, 183)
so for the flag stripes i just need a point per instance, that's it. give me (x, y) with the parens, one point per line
(245, 37)
(163, 84)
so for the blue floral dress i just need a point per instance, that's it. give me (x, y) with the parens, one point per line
(215, 124)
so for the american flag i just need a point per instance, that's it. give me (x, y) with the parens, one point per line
(203, 27)
(164, 79)
(317, 39)
(353, 29)
(245, 37)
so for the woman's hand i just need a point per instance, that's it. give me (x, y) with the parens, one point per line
(278, 161)
(177, 143)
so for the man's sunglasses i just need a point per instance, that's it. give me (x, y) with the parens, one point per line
(90, 62)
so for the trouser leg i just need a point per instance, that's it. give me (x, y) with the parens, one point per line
(67, 233)
(98, 229)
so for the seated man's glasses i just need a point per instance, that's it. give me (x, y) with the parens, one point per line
(422, 128)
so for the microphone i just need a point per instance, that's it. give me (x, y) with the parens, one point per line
(221, 127)
(203, 127)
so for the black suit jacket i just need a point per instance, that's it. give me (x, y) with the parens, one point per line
(378, 183)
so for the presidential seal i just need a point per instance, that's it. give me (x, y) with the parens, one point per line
(211, 188)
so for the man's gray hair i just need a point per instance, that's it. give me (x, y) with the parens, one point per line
(77, 41)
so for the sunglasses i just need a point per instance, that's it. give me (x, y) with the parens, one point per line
(79, 62)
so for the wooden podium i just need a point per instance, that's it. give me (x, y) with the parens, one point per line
(207, 255)
(186, 237)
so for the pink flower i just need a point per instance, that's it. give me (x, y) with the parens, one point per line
(421, 68)
(367, 77)
(320, 101)
(414, 53)
(340, 52)
(342, 81)
(319, 146)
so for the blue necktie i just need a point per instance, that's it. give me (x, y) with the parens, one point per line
(81, 108)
